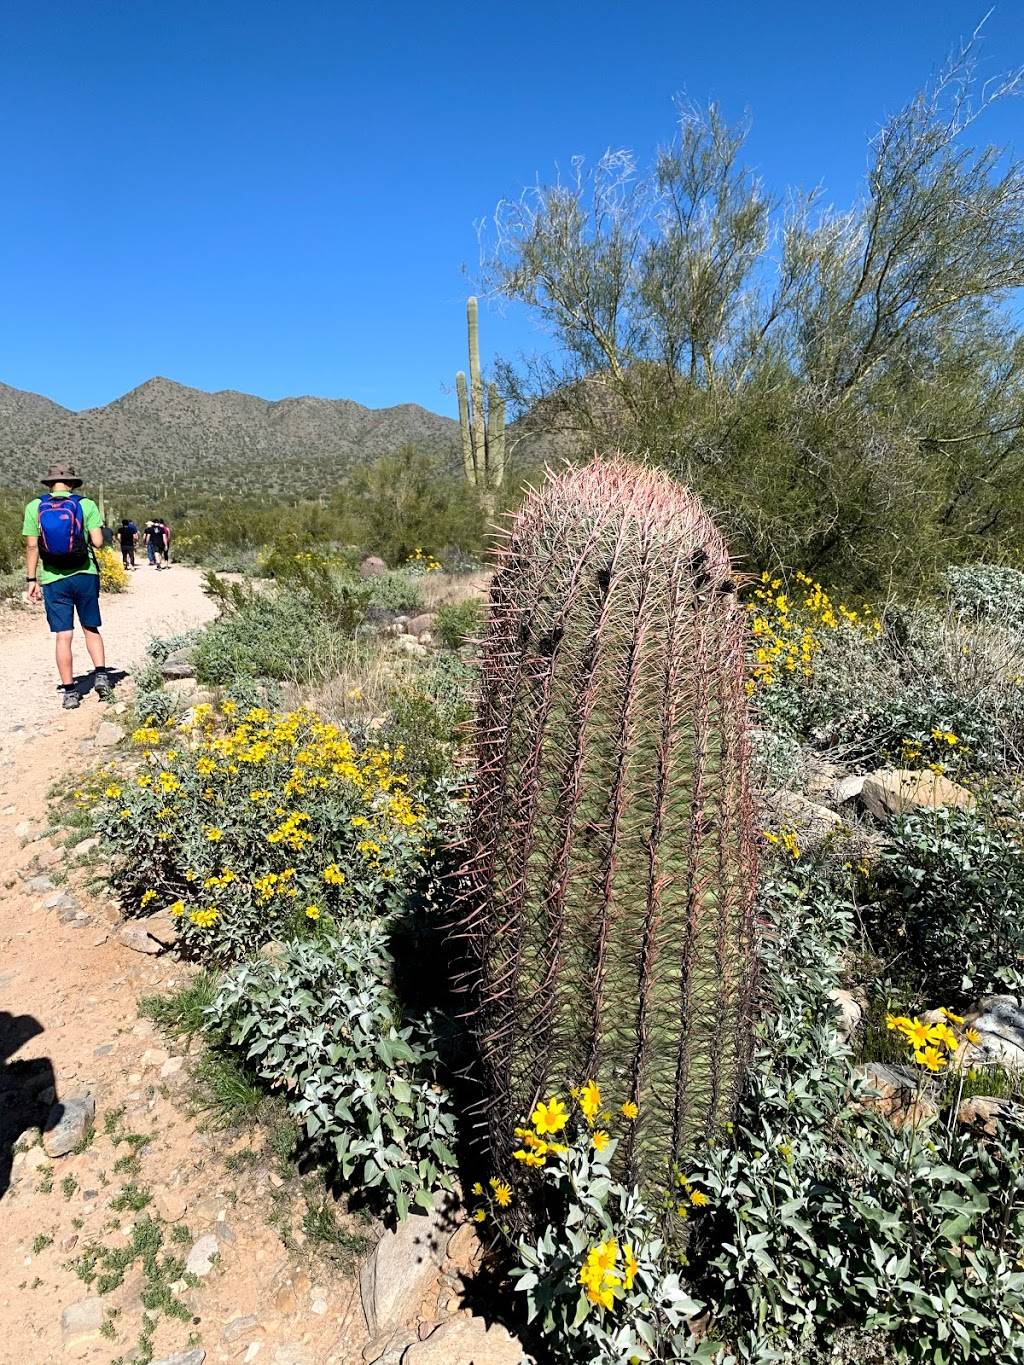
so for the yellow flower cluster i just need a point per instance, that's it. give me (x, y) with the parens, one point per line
(785, 839)
(426, 563)
(604, 1276)
(787, 630)
(933, 1044)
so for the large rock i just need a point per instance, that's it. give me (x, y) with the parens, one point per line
(420, 625)
(891, 791)
(1000, 1021)
(81, 1321)
(466, 1339)
(985, 1114)
(848, 788)
(69, 1123)
(372, 567)
(812, 824)
(177, 666)
(134, 934)
(404, 1268)
(897, 1094)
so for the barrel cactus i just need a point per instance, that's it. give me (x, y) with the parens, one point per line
(610, 864)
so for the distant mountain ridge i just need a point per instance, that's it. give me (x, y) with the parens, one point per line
(164, 434)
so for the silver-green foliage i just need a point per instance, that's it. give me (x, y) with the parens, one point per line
(992, 592)
(591, 1207)
(321, 1023)
(828, 1219)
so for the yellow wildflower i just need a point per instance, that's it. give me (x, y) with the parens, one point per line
(589, 1097)
(502, 1192)
(600, 1140)
(202, 919)
(312, 912)
(147, 896)
(214, 834)
(550, 1116)
(630, 1110)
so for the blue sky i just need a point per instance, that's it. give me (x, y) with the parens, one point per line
(281, 198)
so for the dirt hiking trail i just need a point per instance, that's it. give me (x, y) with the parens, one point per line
(69, 1027)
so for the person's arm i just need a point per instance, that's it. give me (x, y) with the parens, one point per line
(31, 566)
(93, 524)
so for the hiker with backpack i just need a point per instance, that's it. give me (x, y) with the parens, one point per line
(62, 530)
(154, 538)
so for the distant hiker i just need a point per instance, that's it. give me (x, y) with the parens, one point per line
(108, 536)
(128, 538)
(165, 546)
(62, 530)
(154, 538)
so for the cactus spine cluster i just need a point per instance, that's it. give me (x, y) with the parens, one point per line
(482, 420)
(610, 868)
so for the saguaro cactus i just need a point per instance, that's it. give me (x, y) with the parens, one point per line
(482, 423)
(610, 873)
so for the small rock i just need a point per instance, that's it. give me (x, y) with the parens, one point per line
(87, 845)
(69, 1243)
(39, 884)
(272, 950)
(195, 1357)
(153, 1057)
(162, 927)
(318, 1302)
(465, 1250)
(108, 734)
(178, 665)
(1000, 1021)
(34, 1159)
(291, 1353)
(132, 935)
(985, 1113)
(200, 1258)
(48, 857)
(82, 1319)
(372, 567)
(171, 1067)
(890, 791)
(408, 644)
(812, 824)
(24, 828)
(822, 777)
(69, 1122)
(170, 1205)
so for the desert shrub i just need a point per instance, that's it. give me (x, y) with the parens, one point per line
(919, 724)
(274, 826)
(990, 592)
(321, 1023)
(269, 635)
(458, 622)
(113, 575)
(822, 1218)
(427, 715)
(398, 590)
(948, 905)
(598, 1280)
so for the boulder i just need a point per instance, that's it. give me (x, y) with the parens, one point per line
(849, 1010)
(420, 625)
(69, 1123)
(1000, 1021)
(173, 669)
(404, 1268)
(848, 788)
(822, 777)
(372, 567)
(896, 1093)
(160, 926)
(466, 1339)
(890, 791)
(812, 824)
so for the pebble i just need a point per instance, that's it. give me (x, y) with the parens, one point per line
(241, 1327)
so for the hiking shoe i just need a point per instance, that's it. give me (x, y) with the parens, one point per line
(102, 684)
(72, 698)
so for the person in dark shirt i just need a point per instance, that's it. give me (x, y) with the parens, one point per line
(154, 538)
(128, 538)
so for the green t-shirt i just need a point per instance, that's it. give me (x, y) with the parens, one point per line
(30, 527)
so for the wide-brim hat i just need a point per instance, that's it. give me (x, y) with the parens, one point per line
(62, 473)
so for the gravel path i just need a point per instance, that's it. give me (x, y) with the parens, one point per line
(160, 602)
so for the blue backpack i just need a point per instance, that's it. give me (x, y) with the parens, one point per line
(62, 540)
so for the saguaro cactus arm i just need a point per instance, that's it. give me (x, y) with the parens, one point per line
(464, 425)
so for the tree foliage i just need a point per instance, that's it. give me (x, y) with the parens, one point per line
(846, 387)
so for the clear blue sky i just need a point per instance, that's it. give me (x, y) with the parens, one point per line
(281, 197)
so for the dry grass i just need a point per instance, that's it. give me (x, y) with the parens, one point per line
(357, 680)
(440, 589)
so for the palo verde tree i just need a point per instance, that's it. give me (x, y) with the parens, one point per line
(845, 388)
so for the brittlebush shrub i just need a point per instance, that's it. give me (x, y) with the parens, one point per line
(265, 826)
(113, 574)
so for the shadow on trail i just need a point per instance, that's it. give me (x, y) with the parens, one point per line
(86, 682)
(27, 1087)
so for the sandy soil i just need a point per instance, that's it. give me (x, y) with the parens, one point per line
(68, 1020)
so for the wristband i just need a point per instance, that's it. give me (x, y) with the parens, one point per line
(31, 580)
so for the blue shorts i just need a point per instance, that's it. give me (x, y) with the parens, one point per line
(79, 592)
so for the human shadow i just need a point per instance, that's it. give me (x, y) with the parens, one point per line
(27, 1087)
